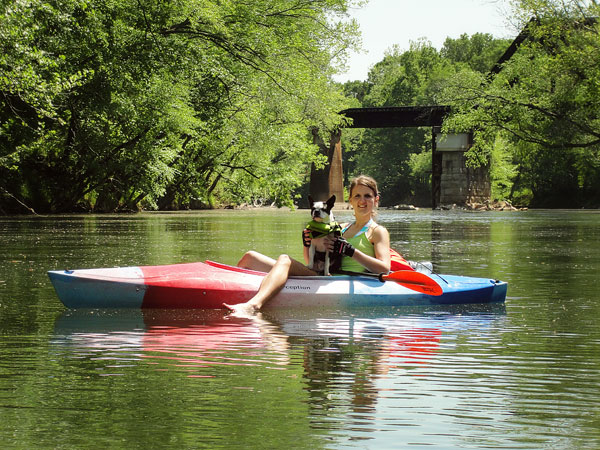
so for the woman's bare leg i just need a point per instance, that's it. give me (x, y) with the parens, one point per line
(273, 282)
(256, 261)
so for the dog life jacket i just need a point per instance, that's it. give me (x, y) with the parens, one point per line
(320, 229)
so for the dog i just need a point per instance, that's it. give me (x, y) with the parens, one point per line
(322, 224)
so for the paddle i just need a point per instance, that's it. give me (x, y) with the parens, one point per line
(410, 279)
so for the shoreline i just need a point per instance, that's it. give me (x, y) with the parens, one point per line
(449, 208)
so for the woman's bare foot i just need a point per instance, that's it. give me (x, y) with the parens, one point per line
(241, 309)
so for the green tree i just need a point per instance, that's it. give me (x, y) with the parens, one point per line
(400, 158)
(544, 103)
(477, 52)
(116, 104)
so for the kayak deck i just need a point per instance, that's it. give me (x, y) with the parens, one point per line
(209, 284)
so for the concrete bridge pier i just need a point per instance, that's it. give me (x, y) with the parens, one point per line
(329, 180)
(453, 182)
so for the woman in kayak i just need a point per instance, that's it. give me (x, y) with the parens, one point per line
(365, 246)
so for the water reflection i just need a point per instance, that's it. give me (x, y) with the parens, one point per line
(327, 345)
(442, 375)
(189, 339)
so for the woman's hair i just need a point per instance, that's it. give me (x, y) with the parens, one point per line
(366, 181)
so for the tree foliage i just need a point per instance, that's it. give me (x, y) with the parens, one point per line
(113, 104)
(537, 119)
(400, 158)
(544, 105)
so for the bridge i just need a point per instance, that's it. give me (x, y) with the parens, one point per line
(398, 116)
(452, 181)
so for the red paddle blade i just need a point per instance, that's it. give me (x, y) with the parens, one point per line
(416, 281)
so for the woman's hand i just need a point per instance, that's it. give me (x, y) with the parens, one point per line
(306, 237)
(342, 247)
(324, 244)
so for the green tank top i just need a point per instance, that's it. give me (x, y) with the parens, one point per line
(360, 242)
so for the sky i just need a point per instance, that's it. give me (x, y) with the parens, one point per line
(384, 23)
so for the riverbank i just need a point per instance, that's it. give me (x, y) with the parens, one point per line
(495, 205)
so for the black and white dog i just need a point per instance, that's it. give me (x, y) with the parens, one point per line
(322, 224)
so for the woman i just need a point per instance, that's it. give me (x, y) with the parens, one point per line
(364, 244)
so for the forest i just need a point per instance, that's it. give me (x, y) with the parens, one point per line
(122, 105)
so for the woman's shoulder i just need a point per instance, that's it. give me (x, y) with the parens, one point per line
(378, 231)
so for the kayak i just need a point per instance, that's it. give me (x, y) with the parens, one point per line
(207, 285)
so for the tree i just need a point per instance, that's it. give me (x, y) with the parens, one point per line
(544, 103)
(477, 52)
(120, 103)
(400, 159)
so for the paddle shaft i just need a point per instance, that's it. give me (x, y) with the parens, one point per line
(379, 276)
(415, 281)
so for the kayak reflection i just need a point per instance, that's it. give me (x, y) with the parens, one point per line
(213, 340)
(196, 340)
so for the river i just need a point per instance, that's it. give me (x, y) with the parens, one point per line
(524, 375)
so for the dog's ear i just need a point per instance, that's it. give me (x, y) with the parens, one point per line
(310, 201)
(330, 202)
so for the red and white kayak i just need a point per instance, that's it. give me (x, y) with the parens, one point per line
(208, 285)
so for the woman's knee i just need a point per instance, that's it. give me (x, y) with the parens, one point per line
(251, 255)
(245, 259)
(284, 260)
(256, 261)
(250, 259)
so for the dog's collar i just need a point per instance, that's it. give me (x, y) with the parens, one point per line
(320, 228)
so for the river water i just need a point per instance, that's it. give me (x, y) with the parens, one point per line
(521, 375)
